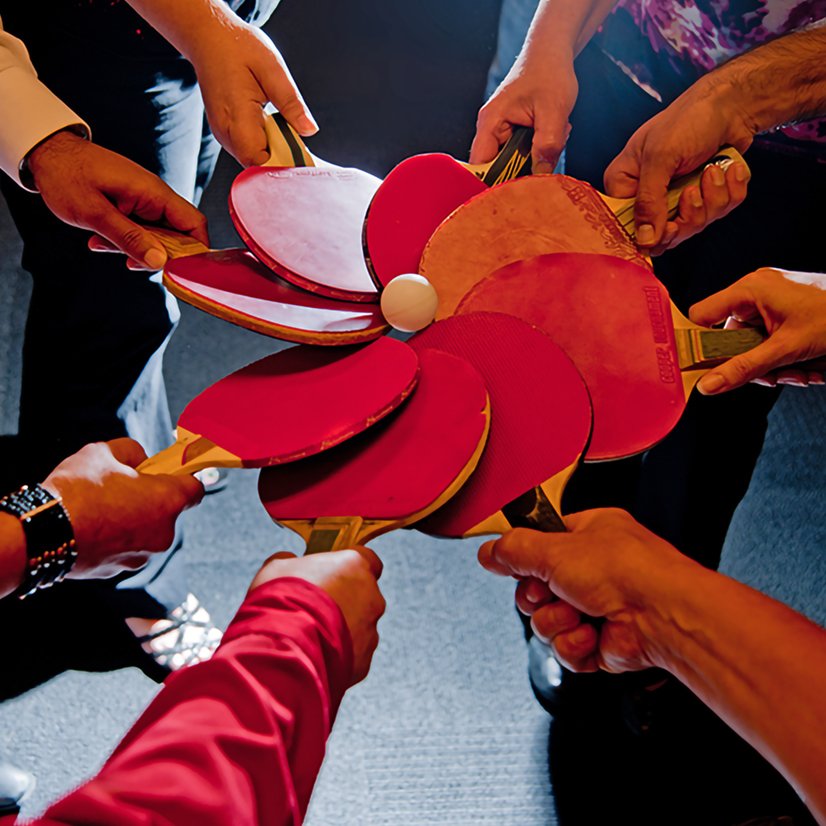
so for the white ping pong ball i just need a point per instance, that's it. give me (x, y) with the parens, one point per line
(409, 302)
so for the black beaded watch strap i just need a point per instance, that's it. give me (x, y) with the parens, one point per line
(50, 540)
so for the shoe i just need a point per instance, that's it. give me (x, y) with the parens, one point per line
(186, 637)
(560, 691)
(214, 479)
(15, 786)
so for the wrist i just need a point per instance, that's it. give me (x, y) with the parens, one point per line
(13, 558)
(667, 611)
(49, 541)
(62, 142)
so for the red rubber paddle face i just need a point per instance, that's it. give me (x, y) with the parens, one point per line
(233, 285)
(613, 319)
(516, 220)
(406, 209)
(540, 413)
(303, 400)
(400, 466)
(305, 223)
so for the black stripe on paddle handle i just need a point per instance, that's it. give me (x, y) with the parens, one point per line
(534, 510)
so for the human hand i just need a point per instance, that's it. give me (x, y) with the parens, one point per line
(240, 70)
(350, 578)
(673, 143)
(118, 515)
(90, 187)
(791, 306)
(539, 91)
(607, 565)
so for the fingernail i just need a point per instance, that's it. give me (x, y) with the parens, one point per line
(539, 635)
(792, 382)
(534, 592)
(763, 382)
(543, 168)
(155, 259)
(307, 125)
(711, 383)
(695, 197)
(740, 172)
(718, 177)
(817, 380)
(645, 235)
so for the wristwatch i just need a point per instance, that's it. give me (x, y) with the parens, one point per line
(50, 540)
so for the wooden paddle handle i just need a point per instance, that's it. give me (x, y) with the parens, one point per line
(176, 244)
(513, 160)
(189, 454)
(698, 348)
(285, 146)
(534, 510)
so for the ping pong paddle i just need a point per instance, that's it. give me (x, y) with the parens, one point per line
(540, 424)
(235, 286)
(639, 356)
(420, 193)
(524, 218)
(303, 217)
(289, 405)
(393, 474)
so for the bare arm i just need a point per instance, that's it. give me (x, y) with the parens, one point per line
(239, 70)
(743, 653)
(12, 553)
(773, 85)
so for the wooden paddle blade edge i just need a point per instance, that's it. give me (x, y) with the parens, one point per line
(282, 333)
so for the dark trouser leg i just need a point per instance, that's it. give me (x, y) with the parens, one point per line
(96, 332)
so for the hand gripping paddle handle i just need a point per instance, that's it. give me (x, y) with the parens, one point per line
(724, 159)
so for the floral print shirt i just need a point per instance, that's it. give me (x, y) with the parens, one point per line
(691, 37)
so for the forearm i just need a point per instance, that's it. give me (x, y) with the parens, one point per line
(189, 25)
(779, 83)
(755, 662)
(12, 554)
(238, 739)
(565, 27)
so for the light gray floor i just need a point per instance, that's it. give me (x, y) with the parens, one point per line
(445, 729)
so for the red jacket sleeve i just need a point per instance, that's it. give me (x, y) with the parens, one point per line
(236, 740)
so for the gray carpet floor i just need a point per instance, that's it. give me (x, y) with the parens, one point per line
(445, 729)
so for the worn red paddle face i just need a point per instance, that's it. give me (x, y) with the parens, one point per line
(616, 322)
(234, 286)
(305, 224)
(393, 474)
(290, 405)
(540, 423)
(516, 220)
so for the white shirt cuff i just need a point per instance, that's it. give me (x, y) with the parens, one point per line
(30, 114)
